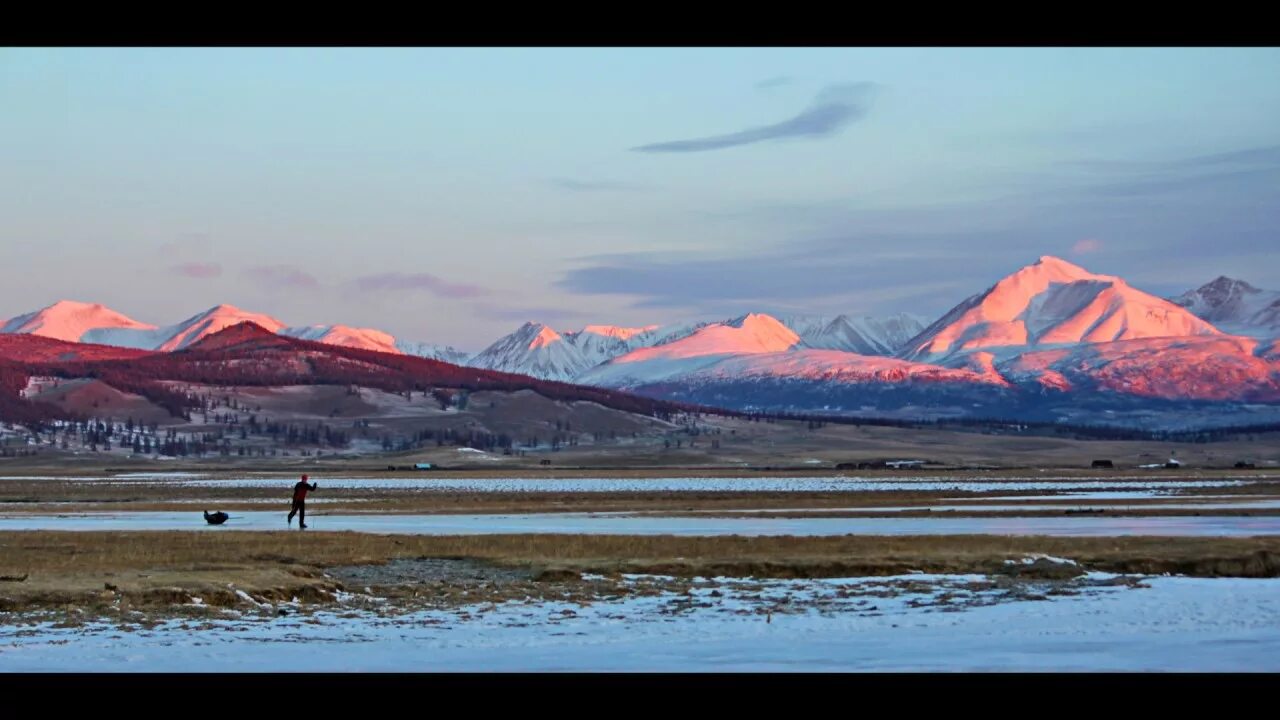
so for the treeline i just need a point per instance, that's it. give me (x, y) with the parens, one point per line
(475, 439)
(1006, 426)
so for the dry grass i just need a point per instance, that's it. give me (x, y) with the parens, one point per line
(744, 446)
(47, 552)
(113, 572)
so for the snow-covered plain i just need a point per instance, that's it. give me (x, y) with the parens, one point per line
(615, 524)
(941, 623)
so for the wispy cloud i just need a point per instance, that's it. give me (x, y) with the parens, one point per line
(1086, 246)
(1264, 158)
(283, 276)
(198, 270)
(776, 81)
(835, 107)
(417, 282)
(595, 185)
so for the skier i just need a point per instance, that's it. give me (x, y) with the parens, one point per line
(300, 502)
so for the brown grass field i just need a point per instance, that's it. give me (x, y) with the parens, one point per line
(743, 446)
(59, 569)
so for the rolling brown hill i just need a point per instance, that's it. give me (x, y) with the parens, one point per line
(249, 355)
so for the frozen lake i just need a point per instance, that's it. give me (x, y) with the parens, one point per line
(1123, 484)
(620, 524)
(1175, 624)
(1261, 504)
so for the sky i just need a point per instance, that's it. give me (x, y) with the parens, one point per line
(449, 194)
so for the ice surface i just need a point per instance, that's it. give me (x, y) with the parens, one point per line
(1174, 624)
(615, 524)
(722, 484)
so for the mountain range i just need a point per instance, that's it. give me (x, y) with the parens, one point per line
(533, 349)
(1049, 341)
(94, 323)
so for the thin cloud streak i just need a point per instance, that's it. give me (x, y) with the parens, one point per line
(392, 282)
(283, 276)
(835, 107)
(1086, 246)
(198, 270)
(776, 81)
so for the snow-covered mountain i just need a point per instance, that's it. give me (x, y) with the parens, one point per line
(209, 322)
(75, 322)
(1199, 367)
(346, 336)
(377, 340)
(92, 323)
(533, 349)
(828, 366)
(598, 343)
(538, 350)
(80, 322)
(1234, 306)
(446, 353)
(864, 335)
(1052, 303)
(750, 334)
(1050, 341)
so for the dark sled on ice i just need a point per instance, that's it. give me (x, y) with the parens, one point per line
(216, 518)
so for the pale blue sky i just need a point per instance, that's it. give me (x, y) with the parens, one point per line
(445, 195)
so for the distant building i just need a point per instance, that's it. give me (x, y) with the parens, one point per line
(422, 466)
(1103, 464)
(880, 464)
(899, 464)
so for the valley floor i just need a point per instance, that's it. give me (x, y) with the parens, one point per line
(561, 571)
(912, 623)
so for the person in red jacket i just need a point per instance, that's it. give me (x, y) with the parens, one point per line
(300, 502)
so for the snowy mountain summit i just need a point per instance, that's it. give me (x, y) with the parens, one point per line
(74, 322)
(1235, 306)
(1052, 303)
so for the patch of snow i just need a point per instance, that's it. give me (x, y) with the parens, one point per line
(1171, 624)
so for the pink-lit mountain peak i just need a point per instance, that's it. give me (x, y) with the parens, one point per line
(542, 336)
(1010, 297)
(346, 336)
(1054, 302)
(211, 321)
(614, 331)
(71, 321)
(752, 333)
